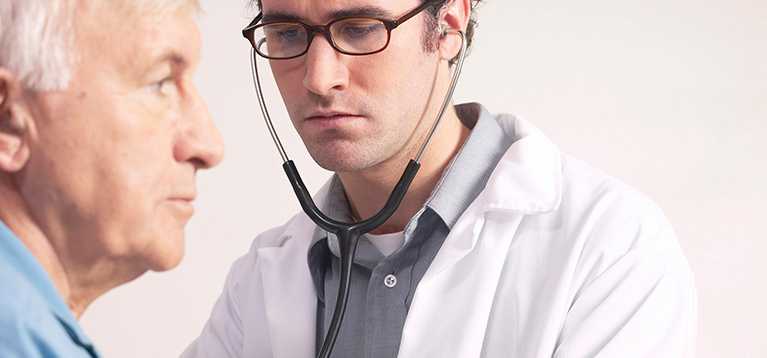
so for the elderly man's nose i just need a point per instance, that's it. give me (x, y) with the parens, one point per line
(200, 142)
(325, 71)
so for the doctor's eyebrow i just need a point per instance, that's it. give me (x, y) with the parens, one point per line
(361, 11)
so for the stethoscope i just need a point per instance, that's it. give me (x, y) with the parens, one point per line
(348, 234)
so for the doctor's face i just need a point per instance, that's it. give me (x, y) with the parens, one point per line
(355, 112)
(114, 156)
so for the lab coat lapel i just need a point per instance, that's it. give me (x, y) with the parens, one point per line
(453, 301)
(289, 294)
(527, 180)
(289, 297)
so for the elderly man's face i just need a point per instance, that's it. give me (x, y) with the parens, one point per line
(114, 156)
(354, 112)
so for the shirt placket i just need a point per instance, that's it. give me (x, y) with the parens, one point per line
(388, 290)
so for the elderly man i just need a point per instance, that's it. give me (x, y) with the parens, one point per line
(101, 134)
(503, 245)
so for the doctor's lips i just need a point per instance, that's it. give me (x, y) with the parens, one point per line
(330, 116)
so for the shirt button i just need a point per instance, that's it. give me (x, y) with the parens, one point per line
(390, 280)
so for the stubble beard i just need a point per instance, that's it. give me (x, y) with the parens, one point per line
(356, 155)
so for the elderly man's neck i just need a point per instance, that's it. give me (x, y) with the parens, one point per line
(78, 283)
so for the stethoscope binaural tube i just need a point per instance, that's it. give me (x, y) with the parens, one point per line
(348, 234)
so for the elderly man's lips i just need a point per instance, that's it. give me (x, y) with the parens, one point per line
(184, 205)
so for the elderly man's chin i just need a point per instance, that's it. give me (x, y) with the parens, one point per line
(164, 246)
(165, 252)
(166, 249)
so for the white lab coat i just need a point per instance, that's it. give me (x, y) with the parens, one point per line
(552, 259)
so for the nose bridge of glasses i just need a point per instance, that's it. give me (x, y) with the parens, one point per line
(323, 30)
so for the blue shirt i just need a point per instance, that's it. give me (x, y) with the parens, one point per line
(34, 320)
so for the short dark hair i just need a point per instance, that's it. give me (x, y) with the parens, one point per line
(431, 24)
(470, 28)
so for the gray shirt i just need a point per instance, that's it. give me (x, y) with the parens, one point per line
(382, 287)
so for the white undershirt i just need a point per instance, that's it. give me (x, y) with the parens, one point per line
(387, 243)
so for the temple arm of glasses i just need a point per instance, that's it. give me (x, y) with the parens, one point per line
(252, 24)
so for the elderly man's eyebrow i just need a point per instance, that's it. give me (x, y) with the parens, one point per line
(169, 58)
(173, 57)
(360, 11)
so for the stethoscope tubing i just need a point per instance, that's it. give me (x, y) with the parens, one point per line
(348, 234)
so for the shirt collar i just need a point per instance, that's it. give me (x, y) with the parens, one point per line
(18, 258)
(459, 185)
(527, 179)
(469, 171)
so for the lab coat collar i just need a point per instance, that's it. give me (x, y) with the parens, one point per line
(528, 178)
(526, 181)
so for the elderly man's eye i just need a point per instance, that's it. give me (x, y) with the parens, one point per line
(164, 87)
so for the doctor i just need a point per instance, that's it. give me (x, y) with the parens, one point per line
(503, 246)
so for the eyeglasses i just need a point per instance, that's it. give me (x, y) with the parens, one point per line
(356, 36)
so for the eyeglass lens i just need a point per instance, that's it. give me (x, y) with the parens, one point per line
(356, 36)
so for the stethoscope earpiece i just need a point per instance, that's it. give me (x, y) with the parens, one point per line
(443, 29)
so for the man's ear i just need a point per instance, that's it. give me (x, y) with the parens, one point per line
(15, 121)
(453, 17)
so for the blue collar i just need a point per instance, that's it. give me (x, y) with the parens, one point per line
(17, 257)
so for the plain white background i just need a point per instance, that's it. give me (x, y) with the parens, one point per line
(669, 96)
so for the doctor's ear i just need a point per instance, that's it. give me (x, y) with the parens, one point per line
(14, 124)
(453, 17)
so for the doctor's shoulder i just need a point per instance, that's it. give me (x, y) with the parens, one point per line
(611, 214)
(292, 237)
(626, 287)
(613, 226)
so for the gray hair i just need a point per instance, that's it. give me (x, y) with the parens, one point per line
(37, 38)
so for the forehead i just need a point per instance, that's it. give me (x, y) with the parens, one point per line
(322, 11)
(134, 37)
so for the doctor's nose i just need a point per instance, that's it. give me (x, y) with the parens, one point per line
(325, 70)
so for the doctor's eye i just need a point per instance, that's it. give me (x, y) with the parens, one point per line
(362, 29)
(289, 35)
(284, 33)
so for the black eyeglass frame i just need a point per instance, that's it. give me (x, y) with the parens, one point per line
(311, 30)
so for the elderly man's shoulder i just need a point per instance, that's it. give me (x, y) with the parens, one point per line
(29, 324)
(18, 297)
(25, 320)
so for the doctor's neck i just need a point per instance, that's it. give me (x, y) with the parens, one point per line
(369, 189)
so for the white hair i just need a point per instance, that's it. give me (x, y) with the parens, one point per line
(37, 38)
